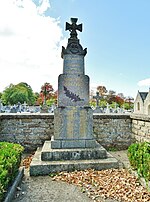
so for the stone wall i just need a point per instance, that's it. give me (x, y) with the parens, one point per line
(113, 130)
(141, 127)
(31, 130)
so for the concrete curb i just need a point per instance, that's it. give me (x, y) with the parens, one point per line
(12, 190)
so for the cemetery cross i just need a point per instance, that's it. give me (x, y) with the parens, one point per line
(97, 97)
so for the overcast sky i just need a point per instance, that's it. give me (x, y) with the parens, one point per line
(115, 32)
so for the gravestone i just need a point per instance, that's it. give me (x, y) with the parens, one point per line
(107, 111)
(97, 97)
(44, 108)
(24, 106)
(13, 109)
(73, 146)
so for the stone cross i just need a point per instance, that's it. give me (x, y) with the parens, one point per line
(73, 27)
(97, 98)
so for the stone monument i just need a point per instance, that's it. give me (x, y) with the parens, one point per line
(73, 146)
(73, 119)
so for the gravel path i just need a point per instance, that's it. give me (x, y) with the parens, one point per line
(44, 189)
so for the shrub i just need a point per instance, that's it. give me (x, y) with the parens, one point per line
(10, 158)
(139, 157)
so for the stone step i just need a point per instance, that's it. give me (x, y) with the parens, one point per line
(48, 154)
(39, 167)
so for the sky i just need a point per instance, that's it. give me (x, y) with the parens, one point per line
(116, 34)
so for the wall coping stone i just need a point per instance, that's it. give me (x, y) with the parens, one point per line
(51, 115)
(111, 116)
(26, 116)
(141, 117)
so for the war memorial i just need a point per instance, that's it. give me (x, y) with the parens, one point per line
(73, 146)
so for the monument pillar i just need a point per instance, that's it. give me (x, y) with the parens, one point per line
(73, 146)
(73, 118)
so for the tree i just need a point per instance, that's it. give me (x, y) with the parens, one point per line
(102, 90)
(126, 106)
(121, 95)
(116, 99)
(129, 100)
(47, 92)
(119, 101)
(111, 93)
(21, 92)
(114, 105)
(111, 96)
(103, 103)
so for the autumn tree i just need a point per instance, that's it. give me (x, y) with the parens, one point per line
(102, 90)
(47, 94)
(119, 101)
(116, 99)
(110, 96)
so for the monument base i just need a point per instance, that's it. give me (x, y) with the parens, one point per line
(49, 154)
(47, 160)
(74, 143)
(73, 128)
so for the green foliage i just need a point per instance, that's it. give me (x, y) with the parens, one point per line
(92, 103)
(36, 95)
(139, 157)
(21, 92)
(50, 102)
(103, 103)
(126, 106)
(10, 157)
(114, 105)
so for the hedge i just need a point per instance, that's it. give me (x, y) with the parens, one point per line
(139, 157)
(10, 158)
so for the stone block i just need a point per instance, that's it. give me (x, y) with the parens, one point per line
(56, 144)
(73, 143)
(38, 167)
(141, 123)
(49, 154)
(91, 144)
(147, 124)
(138, 127)
(77, 143)
(73, 64)
(73, 90)
(73, 125)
